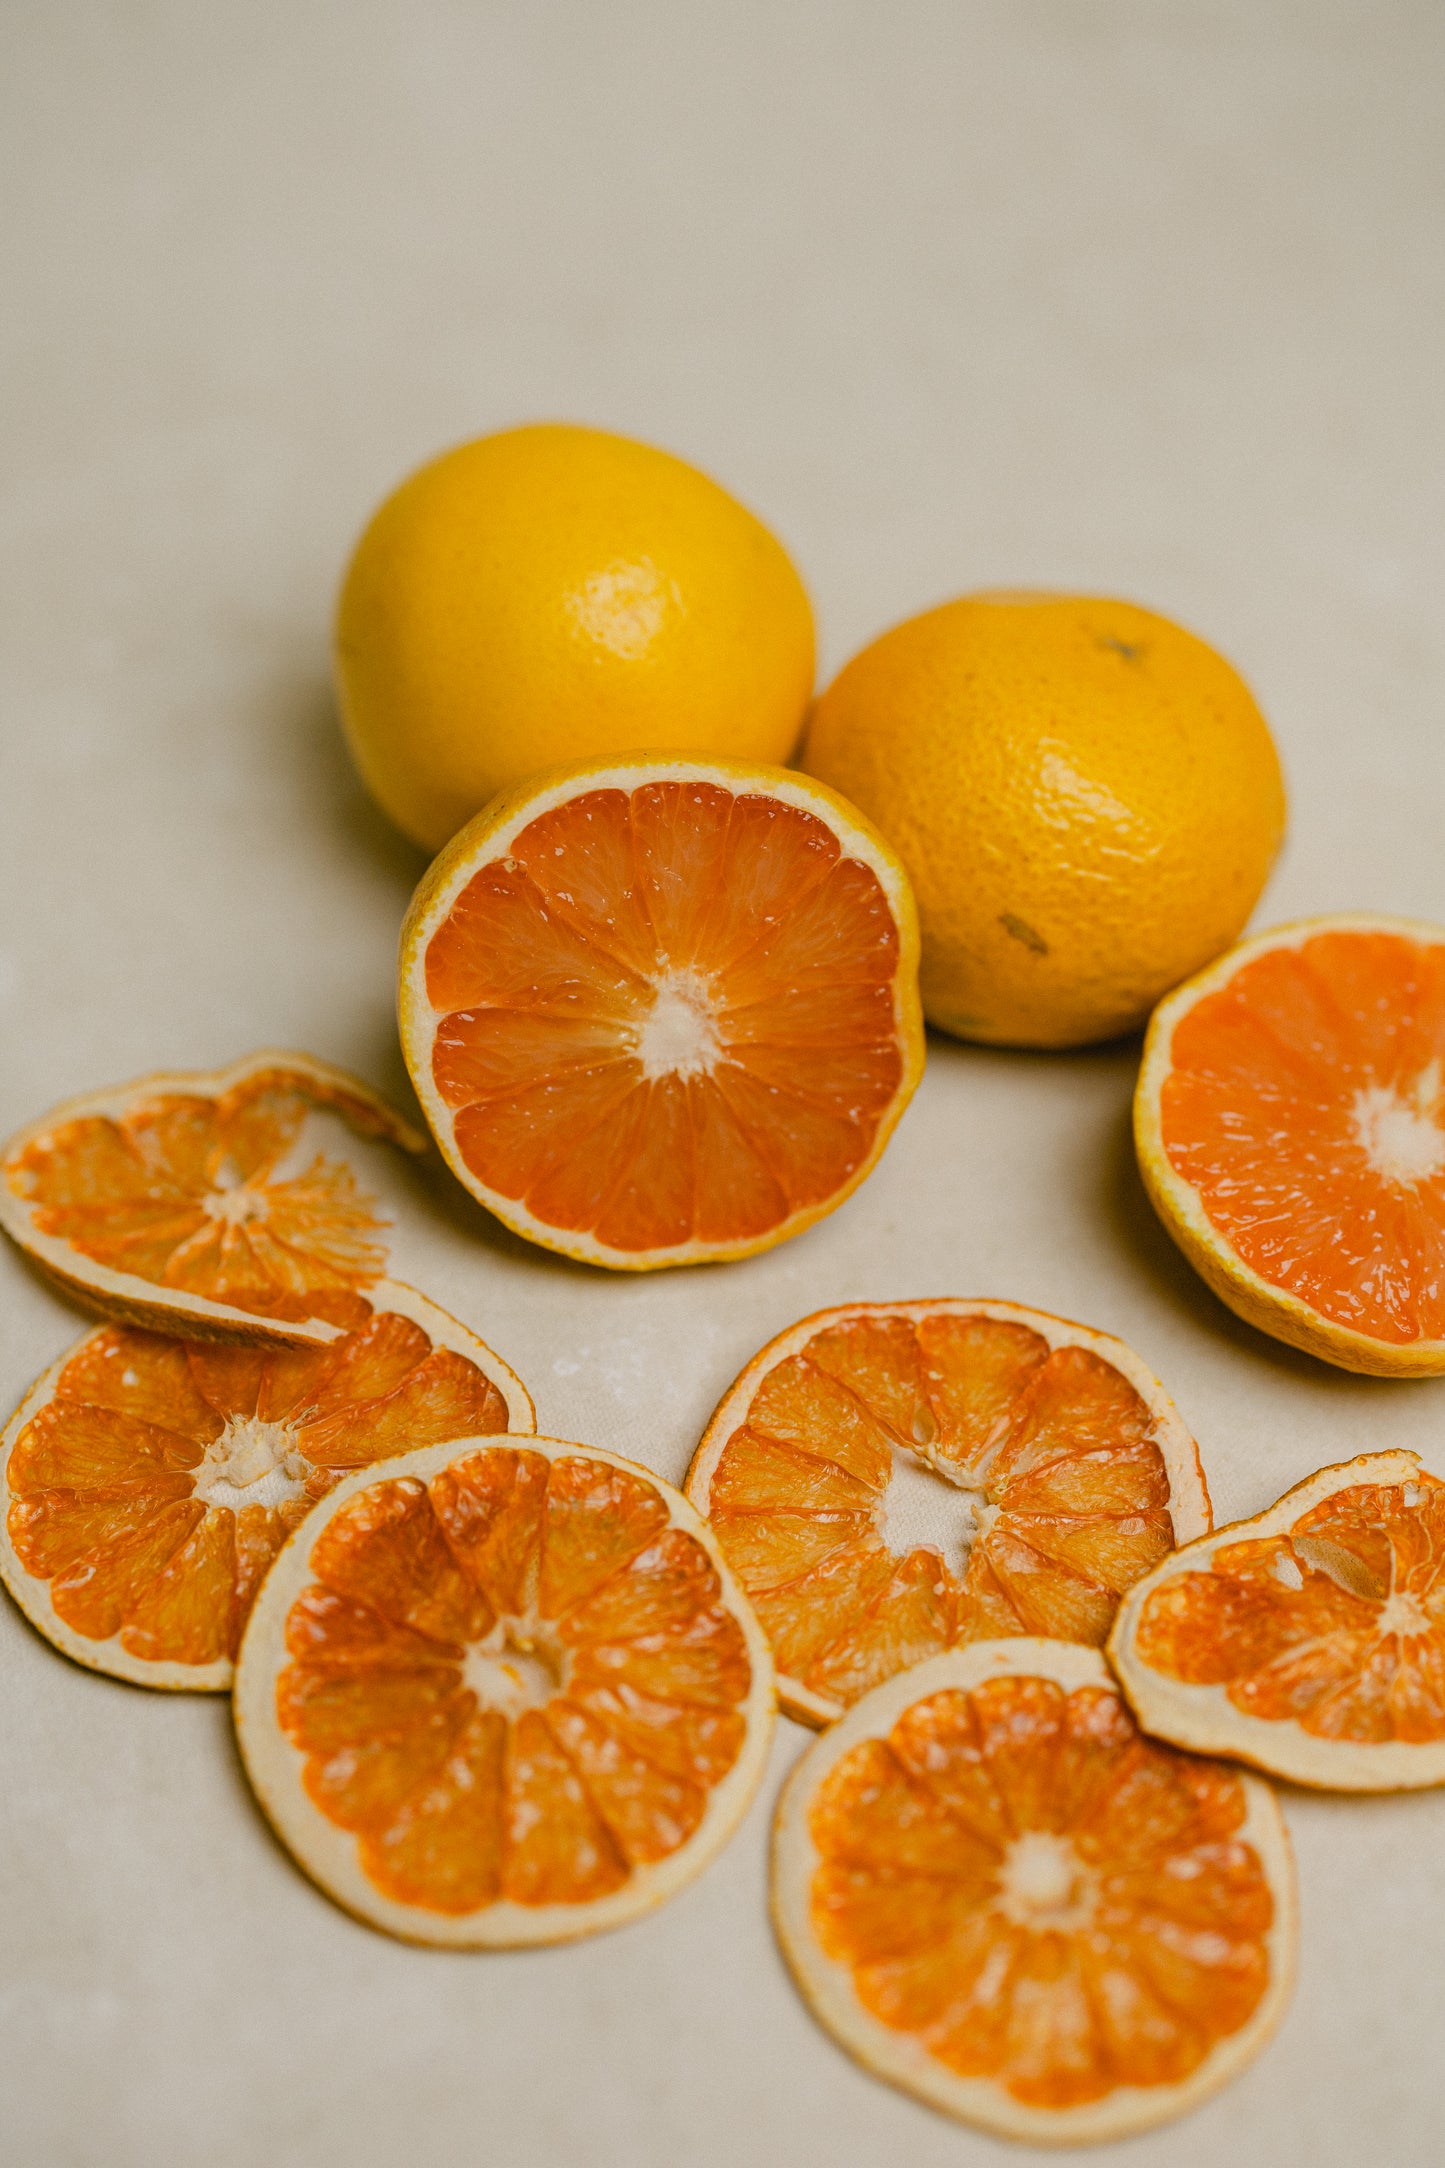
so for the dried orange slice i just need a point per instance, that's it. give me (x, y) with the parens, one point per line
(147, 1482)
(500, 1694)
(891, 1479)
(196, 1200)
(1309, 1640)
(662, 1010)
(997, 1895)
(1290, 1121)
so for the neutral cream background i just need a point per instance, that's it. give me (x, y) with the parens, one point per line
(1122, 294)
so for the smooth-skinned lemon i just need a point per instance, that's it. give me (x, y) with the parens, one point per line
(1086, 797)
(552, 594)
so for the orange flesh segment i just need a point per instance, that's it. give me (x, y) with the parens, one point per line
(568, 1572)
(1338, 1622)
(103, 1478)
(1057, 1449)
(667, 1015)
(181, 1190)
(1304, 1105)
(1038, 1895)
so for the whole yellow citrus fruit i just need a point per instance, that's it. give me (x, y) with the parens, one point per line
(553, 594)
(1085, 796)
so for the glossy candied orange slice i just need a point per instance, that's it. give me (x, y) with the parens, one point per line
(1310, 1640)
(889, 1480)
(996, 1894)
(195, 1201)
(147, 1482)
(662, 1010)
(1290, 1122)
(503, 1694)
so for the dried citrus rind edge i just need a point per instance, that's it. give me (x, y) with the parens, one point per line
(495, 827)
(126, 1297)
(32, 1595)
(1205, 1720)
(1189, 1505)
(1270, 1309)
(826, 1984)
(327, 1854)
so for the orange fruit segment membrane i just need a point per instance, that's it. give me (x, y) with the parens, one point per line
(1309, 1640)
(997, 1893)
(890, 1480)
(662, 1011)
(197, 1201)
(503, 1693)
(148, 1481)
(1290, 1120)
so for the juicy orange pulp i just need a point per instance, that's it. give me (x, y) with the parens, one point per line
(1039, 1895)
(517, 1681)
(669, 1015)
(1065, 1495)
(1337, 1622)
(1304, 1103)
(154, 1488)
(181, 1190)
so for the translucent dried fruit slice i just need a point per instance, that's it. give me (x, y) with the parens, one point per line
(147, 1482)
(196, 1201)
(503, 1694)
(661, 1010)
(1309, 1640)
(1290, 1124)
(889, 1480)
(998, 1895)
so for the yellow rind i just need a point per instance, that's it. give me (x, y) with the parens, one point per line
(1268, 1308)
(898, 2059)
(487, 834)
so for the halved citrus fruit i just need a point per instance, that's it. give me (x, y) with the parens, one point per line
(662, 1010)
(196, 1200)
(997, 1895)
(1309, 1640)
(503, 1693)
(1290, 1121)
(890, 1479)
(147, 1482)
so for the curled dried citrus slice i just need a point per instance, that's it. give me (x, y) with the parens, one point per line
(1290, 1122)
(662, 1010)
(196, 1200)
(147, 1482)
(891, 1479)
(502, 1694)
(1309, 1640)
(999, 1896)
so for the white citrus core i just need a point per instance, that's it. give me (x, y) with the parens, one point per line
(1398, 1131)
(678, 1036)
(922, 1507)
(252, 1463)
(513, 1668)
(235, 1205)
(1043, 1884)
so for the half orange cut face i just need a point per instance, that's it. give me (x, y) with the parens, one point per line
(997, 1895)
(147, 1482)
(503, 1693)
(1309, 1640)
(1290, 1121)
(195, 1201)
(889, 1480)
(663, 1011)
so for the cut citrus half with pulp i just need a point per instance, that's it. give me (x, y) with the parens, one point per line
(1290, 1122)
(996, 1894)
(1309, 1640)
(503, 1693)
(147, 1482)
(891, 1479)
(198, 1202)
(659, 1011)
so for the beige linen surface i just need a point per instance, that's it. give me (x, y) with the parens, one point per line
(1113, 294)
